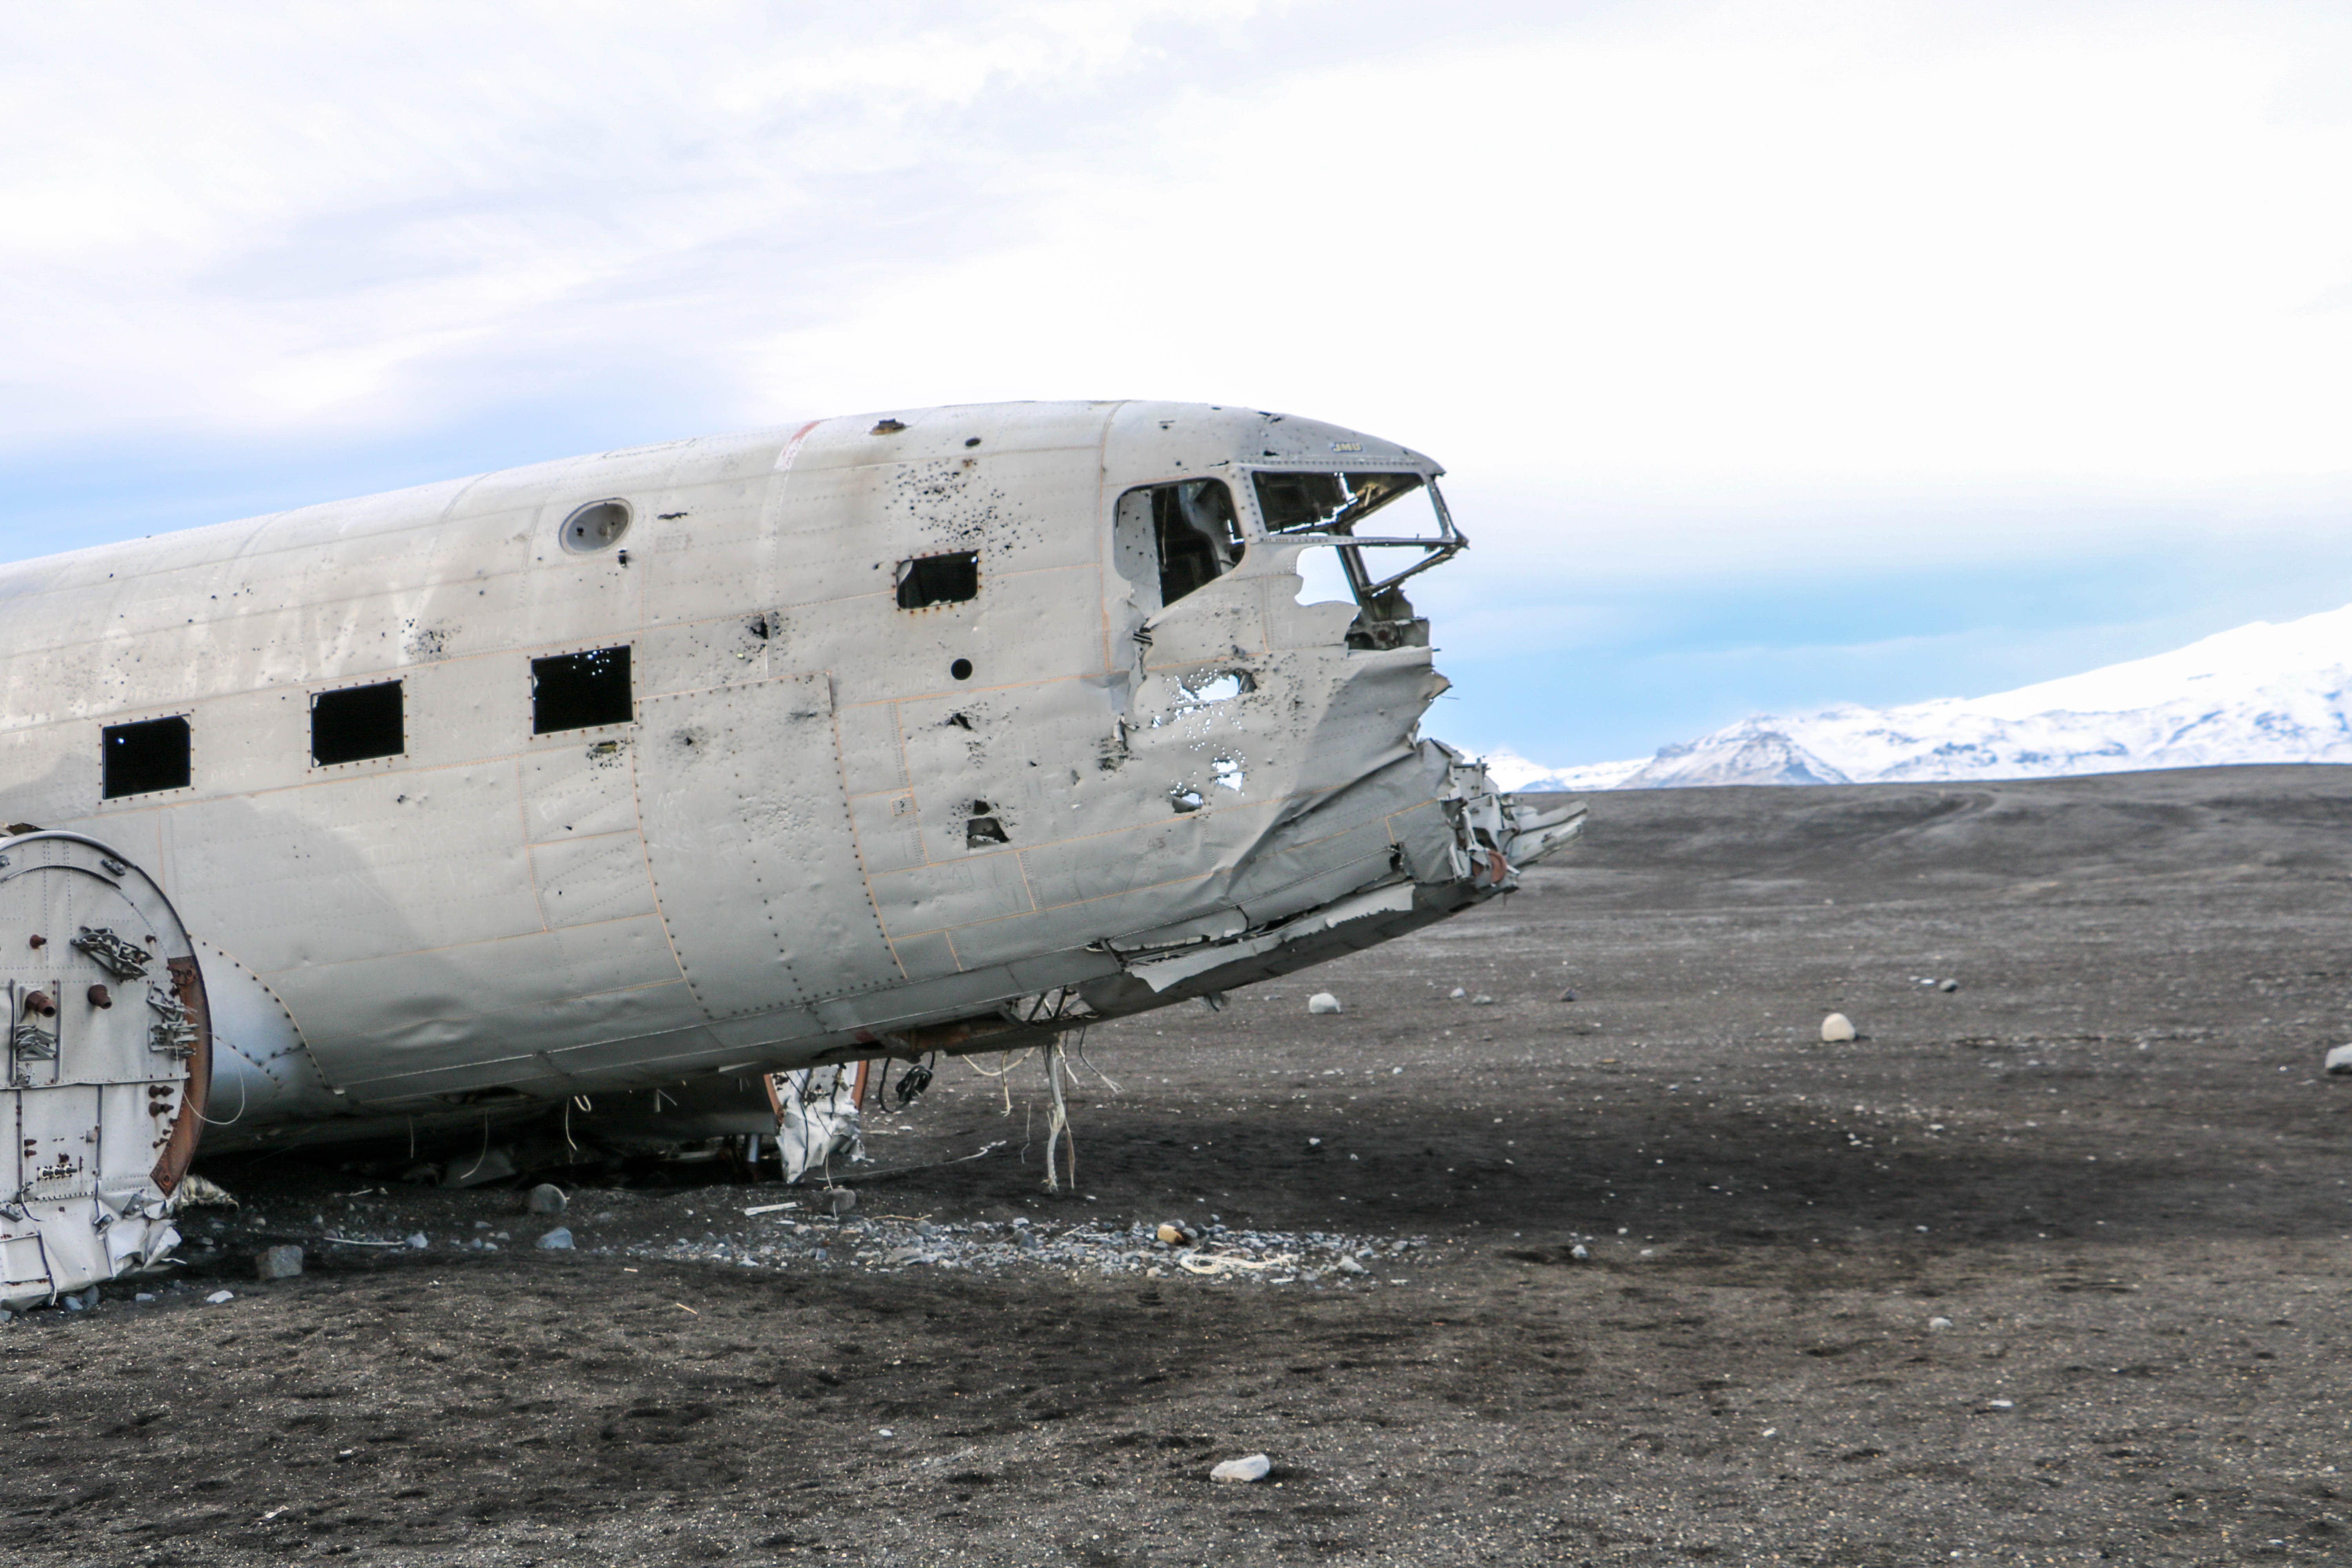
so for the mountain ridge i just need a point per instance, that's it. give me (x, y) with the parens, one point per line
(2256, 693)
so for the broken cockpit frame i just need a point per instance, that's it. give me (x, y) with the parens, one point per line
(1329, 507)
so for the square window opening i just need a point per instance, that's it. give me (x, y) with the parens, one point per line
(581, 690)
(146, 757)
(356, 723)
(928, 579)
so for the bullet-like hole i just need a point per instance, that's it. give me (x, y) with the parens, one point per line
(960, 670)
(971, 441)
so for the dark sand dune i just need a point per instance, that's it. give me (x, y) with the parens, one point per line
(2108, 1160)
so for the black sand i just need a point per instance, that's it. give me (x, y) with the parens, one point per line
(2108, 1159)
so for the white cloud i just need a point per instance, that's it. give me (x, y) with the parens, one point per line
(1816, 264)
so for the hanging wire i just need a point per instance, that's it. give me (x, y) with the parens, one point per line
(1002, 1074)
(485, 1155)
(1057, 1132)
(1079, 1044)
(240, 1109)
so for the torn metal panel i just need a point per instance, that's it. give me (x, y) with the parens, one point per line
(1490, 838)
(816, 1120)
(108, 1036)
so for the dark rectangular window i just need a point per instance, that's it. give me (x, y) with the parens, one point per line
(939, 579)
(580, 691)
(1189, 526)
(141, 759)
(356, 723)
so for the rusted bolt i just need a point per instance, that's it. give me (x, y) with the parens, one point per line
(99, 999)
(39, 1003)
(40, 942)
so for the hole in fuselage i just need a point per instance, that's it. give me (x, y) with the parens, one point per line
(141, 759)
(928, 579)
(356, 723)
(960, 670)
(1177, 536)
(580, 691)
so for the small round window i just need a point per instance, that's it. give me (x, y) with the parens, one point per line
(597, 526)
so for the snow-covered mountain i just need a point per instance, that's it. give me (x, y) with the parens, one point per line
(2262, 693)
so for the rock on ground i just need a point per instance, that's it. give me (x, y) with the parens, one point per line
(277, 1263)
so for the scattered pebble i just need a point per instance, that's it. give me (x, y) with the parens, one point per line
(1348, 1265)
(2340, 1062)
(277, 1263)
(1481, 1001)
(557, 1240)
(1323, 1002)
(834, 1200)
(1252, 1467)
(418, 1242)
(1579, 1252)
(546, 1198)
(221, 1298)
(1948, 985)
(1176, 1234)
(1836, 1029)
(144, 1296)
(1568, 996)
(1456, 994)
(1940, 1325)
(2002, 1404)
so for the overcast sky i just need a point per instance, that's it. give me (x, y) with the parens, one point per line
(1780, 353)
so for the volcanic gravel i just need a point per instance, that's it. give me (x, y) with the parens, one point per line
(2050, 1267)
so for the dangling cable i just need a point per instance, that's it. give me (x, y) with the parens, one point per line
(1057, 1132)
(485, 1155)
(240, 1109)
(1079, 1046)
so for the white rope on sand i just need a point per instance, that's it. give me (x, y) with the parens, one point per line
(1224, 1263)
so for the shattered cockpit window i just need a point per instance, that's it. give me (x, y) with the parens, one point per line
(1191, 528)
(1327, 503)
(1331, 508)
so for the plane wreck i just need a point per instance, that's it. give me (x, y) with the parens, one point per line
(618, 782)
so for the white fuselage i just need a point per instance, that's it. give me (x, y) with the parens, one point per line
(776, 849)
